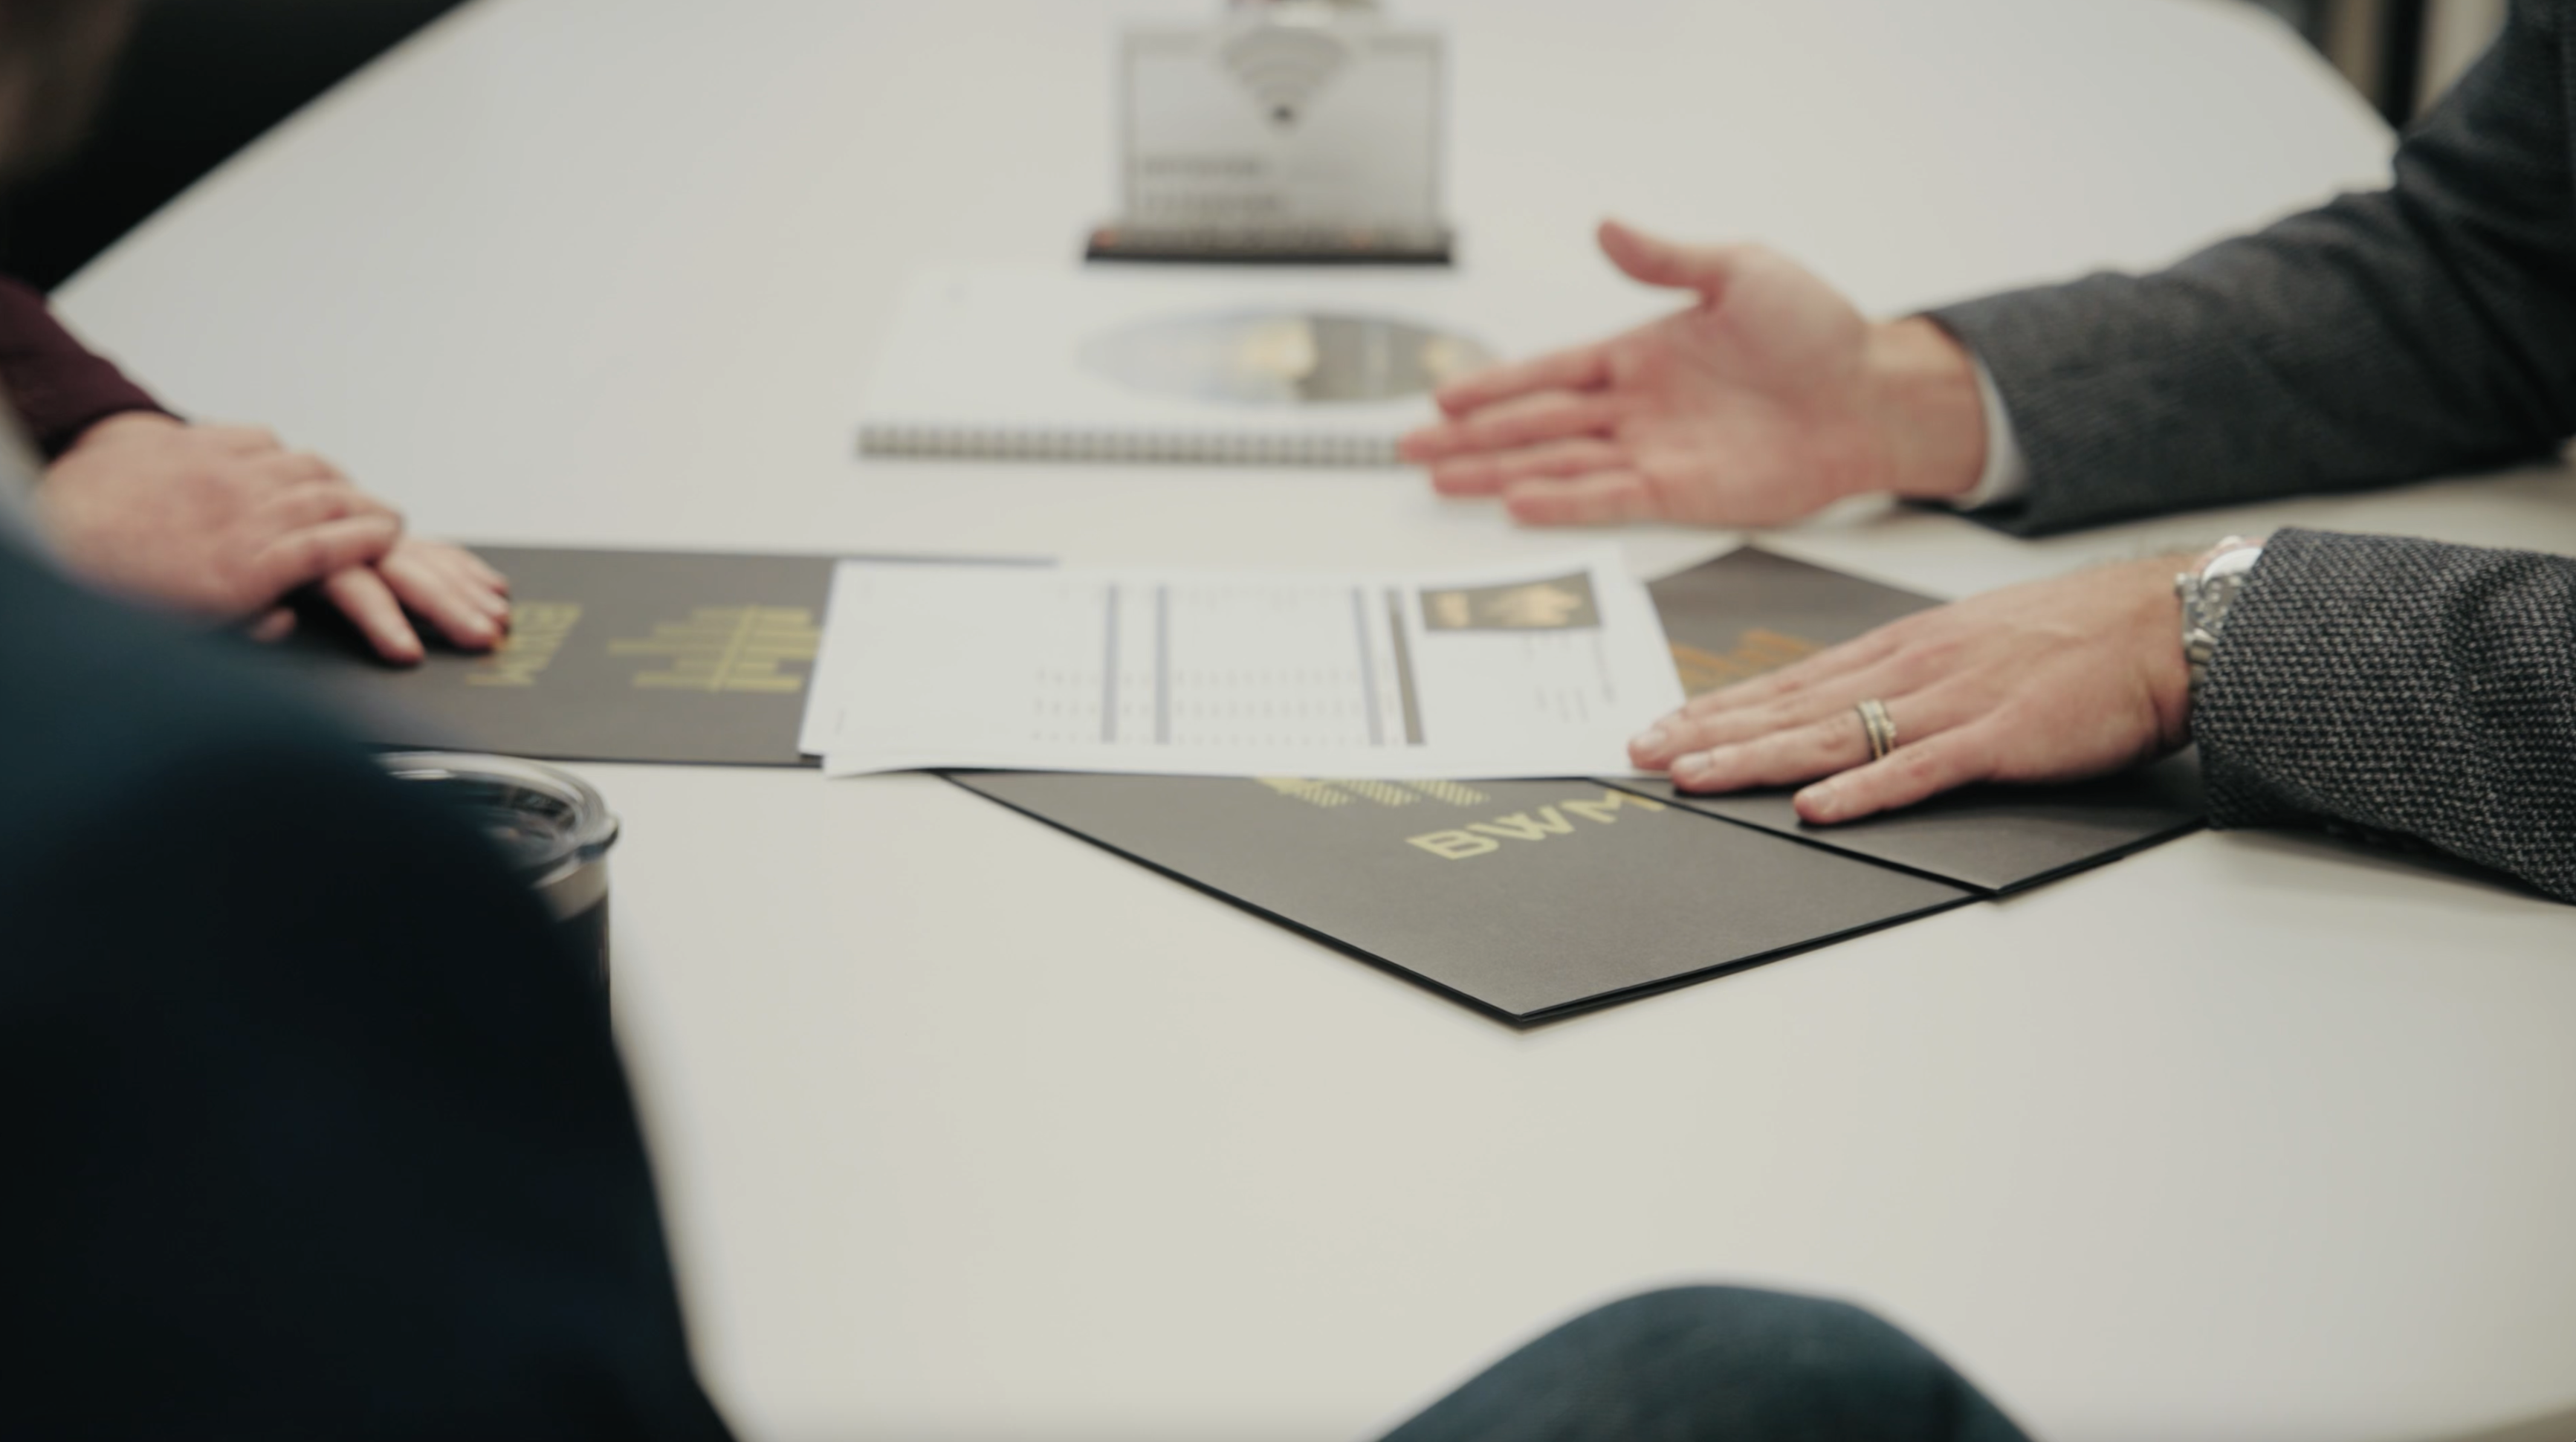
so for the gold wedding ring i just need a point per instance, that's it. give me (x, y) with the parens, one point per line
(1882, 730)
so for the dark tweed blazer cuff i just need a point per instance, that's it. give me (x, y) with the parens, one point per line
(2402, 688)
(2068, 400)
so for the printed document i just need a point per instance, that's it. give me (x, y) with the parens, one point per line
(1542, 669)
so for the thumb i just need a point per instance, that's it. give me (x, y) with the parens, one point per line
(1708, 269)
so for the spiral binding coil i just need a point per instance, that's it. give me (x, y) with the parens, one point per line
(1202, 448)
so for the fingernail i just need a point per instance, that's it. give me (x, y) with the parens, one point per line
(1650, 741)
(1821, 802)
(1696, 768)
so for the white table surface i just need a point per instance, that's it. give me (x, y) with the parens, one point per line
(970, 1130)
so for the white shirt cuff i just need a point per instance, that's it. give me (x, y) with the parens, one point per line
(2007, 473)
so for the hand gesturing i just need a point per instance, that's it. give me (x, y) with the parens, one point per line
(1768, 399)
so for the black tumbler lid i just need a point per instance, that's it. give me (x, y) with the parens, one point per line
(546, 821)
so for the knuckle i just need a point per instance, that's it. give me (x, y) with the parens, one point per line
(1869, 650)
(1686, 736)
(1767, 718)
(1826, 738)
(1746, 723)
(1971, 751)
(1926, 764)
(1943, 648)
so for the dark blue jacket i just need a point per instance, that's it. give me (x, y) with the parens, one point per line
(312, 1130)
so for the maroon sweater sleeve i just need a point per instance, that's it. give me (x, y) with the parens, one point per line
(58, 386)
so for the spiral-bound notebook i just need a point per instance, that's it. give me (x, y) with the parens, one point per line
(1288, 369)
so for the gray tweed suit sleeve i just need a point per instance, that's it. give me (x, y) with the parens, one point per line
(2404, 688)
(2424, 330)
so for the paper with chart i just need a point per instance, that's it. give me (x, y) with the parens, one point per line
(1539, 669)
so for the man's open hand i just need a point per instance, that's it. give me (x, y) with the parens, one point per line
(1767, 400)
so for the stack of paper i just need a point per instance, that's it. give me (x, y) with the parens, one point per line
(1538, 670)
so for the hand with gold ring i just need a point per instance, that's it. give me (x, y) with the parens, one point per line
(2053, 681)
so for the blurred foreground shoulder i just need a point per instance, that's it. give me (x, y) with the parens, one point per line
(334, 1137)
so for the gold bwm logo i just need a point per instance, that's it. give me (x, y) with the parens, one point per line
(1484, 838)
(538, 629)
(728, 648)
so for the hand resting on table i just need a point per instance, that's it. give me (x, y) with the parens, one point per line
(2058, 680)
(224, 522)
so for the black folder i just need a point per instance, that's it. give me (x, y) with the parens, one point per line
(1528, 900)
(612, 656)
(1992, 839)
(1533, 899)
